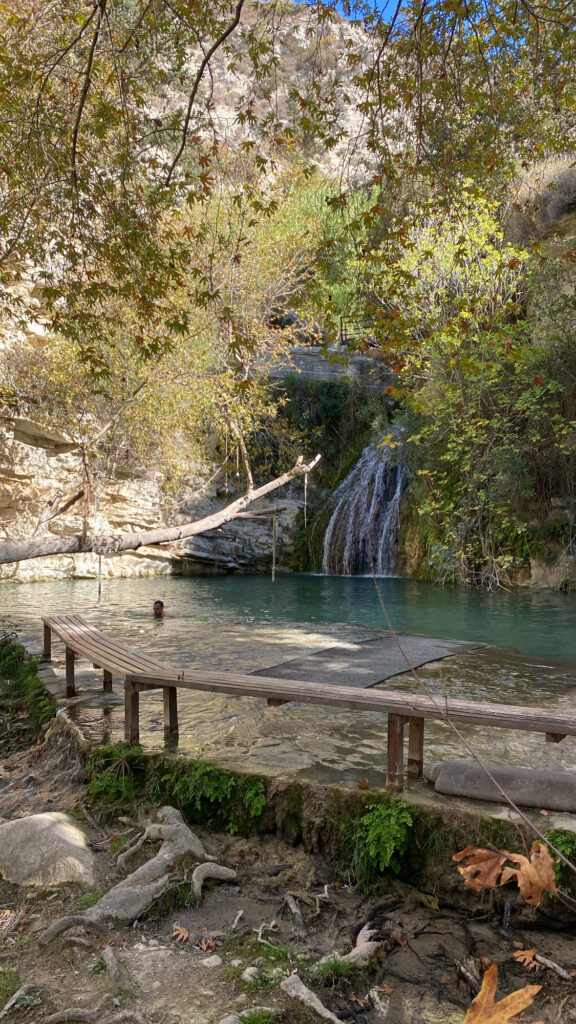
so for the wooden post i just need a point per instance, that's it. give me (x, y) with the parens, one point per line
(70, 684)
(131, 714)
(107, 681)
(415, 747)
(47, 643)
(170, 697)
(395, 771)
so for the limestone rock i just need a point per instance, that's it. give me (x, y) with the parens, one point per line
(44, 850)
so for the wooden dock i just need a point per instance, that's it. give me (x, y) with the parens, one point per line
(142, 674)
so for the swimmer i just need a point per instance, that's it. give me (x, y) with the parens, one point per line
(158, 610)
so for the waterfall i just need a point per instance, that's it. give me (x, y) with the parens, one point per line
(365, 525)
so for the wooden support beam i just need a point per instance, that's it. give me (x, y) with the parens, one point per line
(107, 681)
(131, 714)
(415, 747)
(170, 697)
(395, 769)
(47, 643)
(70, 683)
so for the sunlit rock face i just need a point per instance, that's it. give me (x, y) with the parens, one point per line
(37, 465)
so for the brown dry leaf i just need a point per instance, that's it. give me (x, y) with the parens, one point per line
(483, 1009)
(534, 874)
(483, 869)
(362, 1003)
(398, 939)
(180, 934)
(527, 958)
(445, 979)
(385, 990)
(363, 784)
(206, 944)
(5, 913)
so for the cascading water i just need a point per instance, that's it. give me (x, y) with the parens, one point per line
(363, 533)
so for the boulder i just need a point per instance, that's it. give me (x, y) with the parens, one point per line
(45, 850)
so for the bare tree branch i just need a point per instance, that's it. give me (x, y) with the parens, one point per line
(196, 84)
(40, 547)
(49, 513)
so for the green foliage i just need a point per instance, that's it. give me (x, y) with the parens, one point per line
(20, 685)
(565, 842)
(118, 773)
(9, 983)
(485, 405)
(333, 970)
(90, 899)
(378, 840)
(98, 966)
(26, 1000)
(204, 793)
(259, 1015)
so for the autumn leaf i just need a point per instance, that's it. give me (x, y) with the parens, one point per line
(483, 869)
(180, 934)
(527, 957)
(206, 944)
(483, 1009)
(363, 784)
(534, 874)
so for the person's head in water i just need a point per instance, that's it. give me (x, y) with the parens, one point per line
(158, 609)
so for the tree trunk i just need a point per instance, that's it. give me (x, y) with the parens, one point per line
(41, 546)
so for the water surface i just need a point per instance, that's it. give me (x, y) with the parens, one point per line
(247, 623)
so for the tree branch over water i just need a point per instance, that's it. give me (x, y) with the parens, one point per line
(42, 546)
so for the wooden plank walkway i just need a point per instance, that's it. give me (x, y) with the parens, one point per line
(142, 673)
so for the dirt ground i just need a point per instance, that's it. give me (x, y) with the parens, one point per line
(418, 977)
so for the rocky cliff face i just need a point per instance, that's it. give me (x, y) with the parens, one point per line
(37, 465)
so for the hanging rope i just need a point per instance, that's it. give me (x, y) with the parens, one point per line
(274, 539)
(305, 500)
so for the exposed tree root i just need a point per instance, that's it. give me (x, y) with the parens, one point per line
(132, 897)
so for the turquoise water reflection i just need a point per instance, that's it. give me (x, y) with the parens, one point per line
(536, 623)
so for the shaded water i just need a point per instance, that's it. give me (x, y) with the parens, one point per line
(248, 623)
(538, 623)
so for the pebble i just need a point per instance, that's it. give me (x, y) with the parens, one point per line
(212, 961)
(250, 973)
(236, 963)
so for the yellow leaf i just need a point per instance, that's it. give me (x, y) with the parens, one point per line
(180, 933)
(483, 1010)
(527, 957)
(483, 869)
(534, 874)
